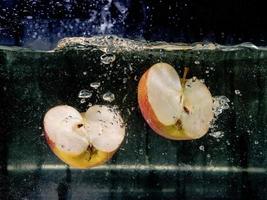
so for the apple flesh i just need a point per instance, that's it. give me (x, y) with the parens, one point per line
(84, 140)
(175, 109)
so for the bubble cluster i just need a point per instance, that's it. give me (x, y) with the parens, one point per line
(220, 103)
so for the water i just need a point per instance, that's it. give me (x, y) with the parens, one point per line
(229, 159)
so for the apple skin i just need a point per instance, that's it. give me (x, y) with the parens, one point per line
(82, 161)
(170, 132)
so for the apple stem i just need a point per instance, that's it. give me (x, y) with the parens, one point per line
(186, 70)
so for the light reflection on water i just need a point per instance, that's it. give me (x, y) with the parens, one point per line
(165, 168)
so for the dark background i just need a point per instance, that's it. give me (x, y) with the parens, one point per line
(40, 24)
(31, 82)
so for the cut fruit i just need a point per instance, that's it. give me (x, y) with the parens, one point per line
(104, 128)
(174, 110)
(84, 140)
(164, 88)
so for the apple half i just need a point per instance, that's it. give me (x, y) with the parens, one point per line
(84, 140)
(177, 109)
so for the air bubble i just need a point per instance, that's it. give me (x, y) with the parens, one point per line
(197, 62)
(128, 111)
(217, 134)
(82, 101)
(107, 58)
(84, 94)
(124, 80)
(108, 96)
(201, 148)
(29, 17)
(237, 92)
(124, 98)
(95, 85)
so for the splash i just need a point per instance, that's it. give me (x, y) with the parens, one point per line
(107, 20)
(114, 44)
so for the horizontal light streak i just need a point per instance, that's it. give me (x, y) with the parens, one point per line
(128, 167)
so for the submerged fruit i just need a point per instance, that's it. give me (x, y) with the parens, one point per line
(84, 140)
(175, 109)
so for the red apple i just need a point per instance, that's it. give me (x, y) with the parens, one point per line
(84, 140)
(174, 110)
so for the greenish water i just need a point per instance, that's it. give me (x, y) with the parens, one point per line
(229, 162)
